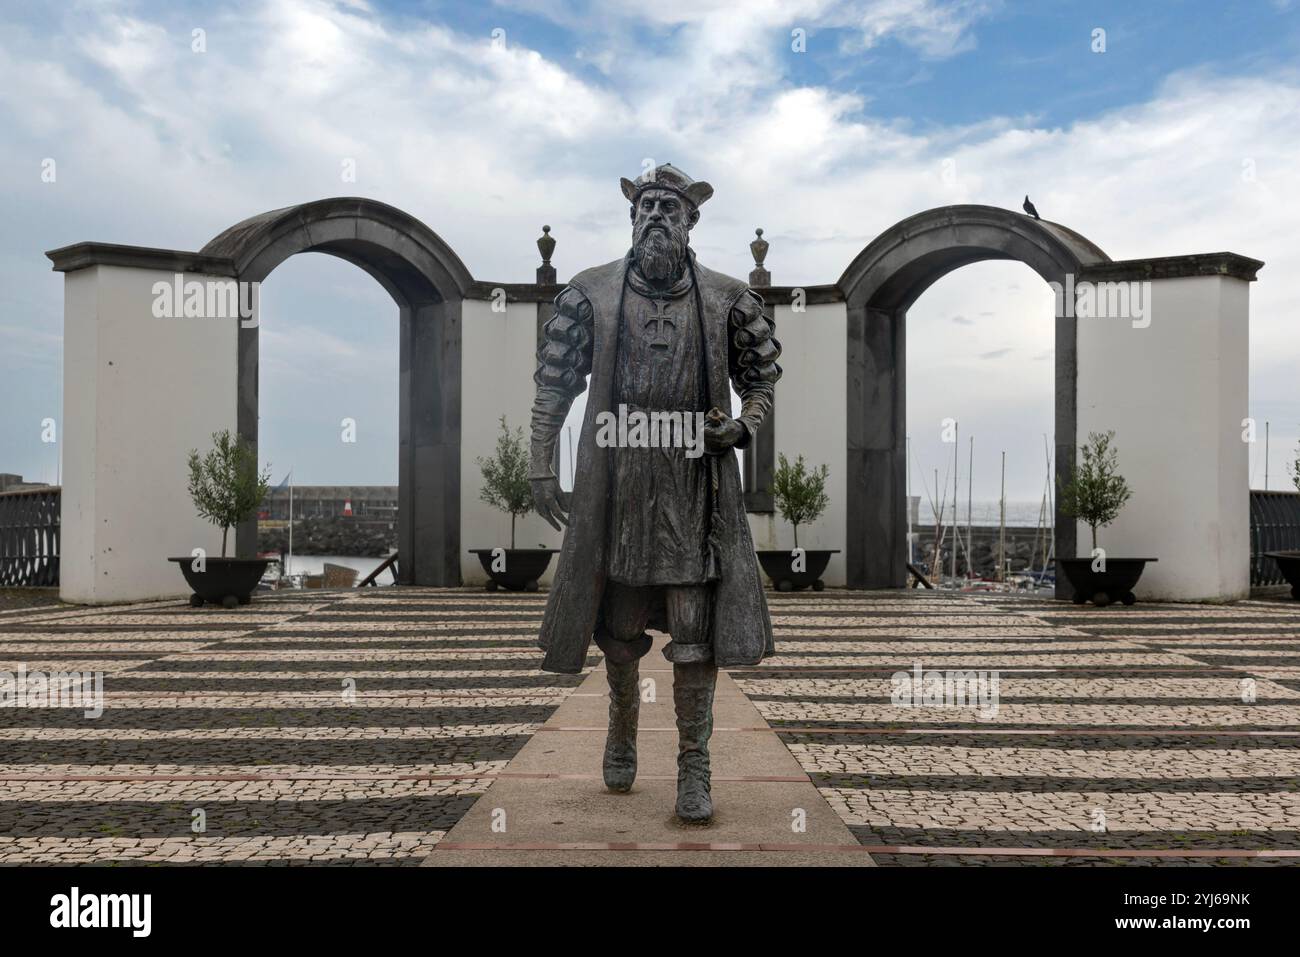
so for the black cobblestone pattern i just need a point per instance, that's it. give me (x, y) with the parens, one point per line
(1111, 840)
(1041, 784)
(1005, 699)
(241, 752)
(1227, 644)
(405, 663)
(1074, 740)
(146, 819)
(525, 684)
(950, 860)
(96, 773)
(305, 716)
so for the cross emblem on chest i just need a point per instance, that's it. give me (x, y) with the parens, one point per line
(658, 320)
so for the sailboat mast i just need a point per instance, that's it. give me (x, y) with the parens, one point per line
(1002, 523)
(1051, 503)
(936, 565)
(956, 526)
(970, 487)
(910, 557)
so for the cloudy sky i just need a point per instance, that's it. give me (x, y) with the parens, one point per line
(487, 120)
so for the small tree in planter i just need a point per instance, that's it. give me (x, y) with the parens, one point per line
(506, 487)
(226, 489)
(225, 484)
(505, 477)
(800, 496)
(1096, 491)
(1095, 494)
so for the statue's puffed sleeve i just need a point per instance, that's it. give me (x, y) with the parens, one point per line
(752, 355)
(563, 362)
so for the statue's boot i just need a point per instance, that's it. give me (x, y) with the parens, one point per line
(624, 707)
(693, 685)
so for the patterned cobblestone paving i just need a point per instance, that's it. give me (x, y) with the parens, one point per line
(1156, 734)
(319, 728)
(358, 727)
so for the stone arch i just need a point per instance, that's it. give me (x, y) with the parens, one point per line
(879, 287)
(428, 282)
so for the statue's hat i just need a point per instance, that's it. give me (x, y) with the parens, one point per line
(667, 176)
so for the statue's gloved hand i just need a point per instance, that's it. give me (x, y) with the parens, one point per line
(721, 432)
(551, 503)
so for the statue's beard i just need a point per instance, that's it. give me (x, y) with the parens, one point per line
(660, 251)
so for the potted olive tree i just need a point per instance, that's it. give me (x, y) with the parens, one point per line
(226, 489)
(506, 487)
(1095, 494)
(800, 496)
(1288, 562)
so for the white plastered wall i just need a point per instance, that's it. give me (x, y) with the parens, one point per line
(499, 357)
(811, 403)
(138, 394)
(1175, 393)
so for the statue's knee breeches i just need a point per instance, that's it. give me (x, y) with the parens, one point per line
(690, 617)
(627, 610)
(621, 633)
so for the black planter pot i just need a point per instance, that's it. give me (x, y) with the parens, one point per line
(1288, 564)
(524, 566)
(1101, 588)
(224, 581)
(776, 564)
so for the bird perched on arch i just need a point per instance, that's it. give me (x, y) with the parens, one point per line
(1029, 208)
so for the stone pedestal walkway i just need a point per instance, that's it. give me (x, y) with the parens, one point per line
(550, 806)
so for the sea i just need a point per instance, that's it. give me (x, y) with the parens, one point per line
(1019, 514)
(315, 565)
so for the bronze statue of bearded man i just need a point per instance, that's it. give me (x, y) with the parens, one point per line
(657, 535)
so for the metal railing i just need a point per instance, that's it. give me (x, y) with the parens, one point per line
(389, 562)
(29, 537)
(1274, 527)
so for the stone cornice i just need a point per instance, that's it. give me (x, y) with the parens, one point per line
(1174, 267)
(813, 295)
(534, 292)
(515, 291)
(84, 255)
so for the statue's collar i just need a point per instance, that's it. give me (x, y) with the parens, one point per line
(638, 282)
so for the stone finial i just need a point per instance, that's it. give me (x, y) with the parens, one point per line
(759, 276)
(546, 246)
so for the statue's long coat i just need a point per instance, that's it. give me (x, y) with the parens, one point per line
(742, 628)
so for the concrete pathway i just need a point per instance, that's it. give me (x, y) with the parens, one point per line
(550, 806)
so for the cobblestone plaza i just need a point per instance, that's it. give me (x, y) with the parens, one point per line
(360, 727)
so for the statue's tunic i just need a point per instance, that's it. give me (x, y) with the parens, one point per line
(659, 498)
(582, 341)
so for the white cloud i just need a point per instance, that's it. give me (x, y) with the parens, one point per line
(934, 28)
(158, 145)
